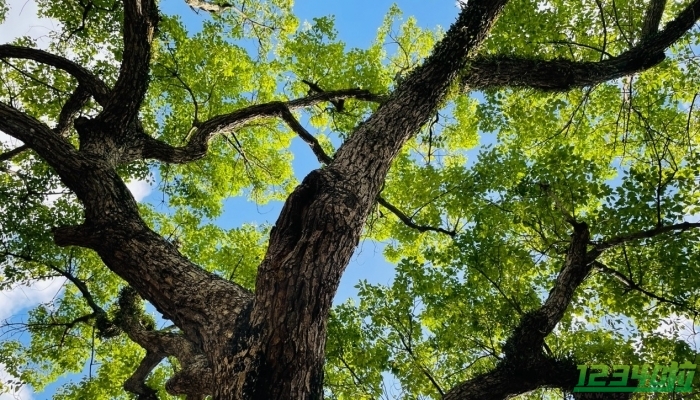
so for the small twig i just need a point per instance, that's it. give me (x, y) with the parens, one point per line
(289, 118)
(558, 203)
(631, 285)
(569, 43)
(409, 221)
(314, 88)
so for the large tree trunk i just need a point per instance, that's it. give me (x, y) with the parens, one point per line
(320, 226)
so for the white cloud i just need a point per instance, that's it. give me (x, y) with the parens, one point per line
(22, 20)
(139, 189)
(23, 392)
(545, 6)
(18, 300)
(681, 327)
(24, 297)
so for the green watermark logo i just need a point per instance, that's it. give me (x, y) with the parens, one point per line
(636, 378)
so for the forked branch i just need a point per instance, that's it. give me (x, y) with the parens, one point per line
(652, 17)
(525, 366)
(52, 147)
(158, 345)
(198, 144)
(325, 159)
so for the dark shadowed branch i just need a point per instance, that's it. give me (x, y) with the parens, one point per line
(71, 109)
(525, 366)
(94, 85)
(48, 144)
(560, 75)
(140, 23)
(136, 383)
(606, 244)
(11, 153)
(320, 154)
(652, 17)
(195, 377)
(198, 144)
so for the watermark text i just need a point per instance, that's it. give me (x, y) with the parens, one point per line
(636, 378)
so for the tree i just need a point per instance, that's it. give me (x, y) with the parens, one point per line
(577, 214)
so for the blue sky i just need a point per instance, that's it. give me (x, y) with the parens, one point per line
(357, 22)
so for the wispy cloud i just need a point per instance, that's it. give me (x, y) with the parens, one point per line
(15, 302)
(22, 20)
(24, 297)
(23, 392)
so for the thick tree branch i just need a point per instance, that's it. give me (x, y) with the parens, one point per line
(524, 366)
(53, 148)
(561, 75)
(71, 108)
(136, 383)
(160, 274)
(197, 146)
(606, 244)
(321, 222)
(8, 155)
(629, 284)
(158, 345)
(140, 23)
(576, 268)
(505, 381)
(652, 17)
(320, 154)
(94, 85)
(325, 159)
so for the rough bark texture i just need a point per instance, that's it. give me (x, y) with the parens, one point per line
(234, 344)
